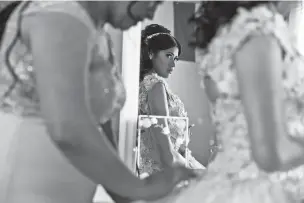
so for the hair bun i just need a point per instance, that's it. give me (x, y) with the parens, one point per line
(153, 29)
(212, 14)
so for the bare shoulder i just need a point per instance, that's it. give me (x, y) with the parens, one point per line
(158, 89)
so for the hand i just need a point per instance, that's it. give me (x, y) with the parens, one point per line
(162, 183)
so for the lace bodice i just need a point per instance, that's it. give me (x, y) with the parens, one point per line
(235, 160)
(176, 106)
(23, 99)
(176, 109)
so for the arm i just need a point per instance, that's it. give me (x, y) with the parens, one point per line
(259, 64)
(194, 164)
(157, 98)
(59, 44)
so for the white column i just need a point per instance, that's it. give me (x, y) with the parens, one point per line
(129, 113)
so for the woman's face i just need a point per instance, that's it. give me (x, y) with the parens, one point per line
(164, 61)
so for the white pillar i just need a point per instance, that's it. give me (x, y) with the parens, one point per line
(129, 113)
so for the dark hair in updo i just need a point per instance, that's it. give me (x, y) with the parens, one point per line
(212, 14)
(162, 41)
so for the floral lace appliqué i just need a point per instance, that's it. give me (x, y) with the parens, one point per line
(231, 127)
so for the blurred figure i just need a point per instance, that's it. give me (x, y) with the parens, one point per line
(60, 82)
(248, 50)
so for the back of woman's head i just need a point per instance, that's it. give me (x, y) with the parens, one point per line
(213, 14)
(154, 38)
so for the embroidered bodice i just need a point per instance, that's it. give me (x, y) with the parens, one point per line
(235, 160)
(176, 106)
(176, 126)
(23, 99)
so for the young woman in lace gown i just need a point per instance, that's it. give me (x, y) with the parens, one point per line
(58, 82)
(248, 50)
(160, 52)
